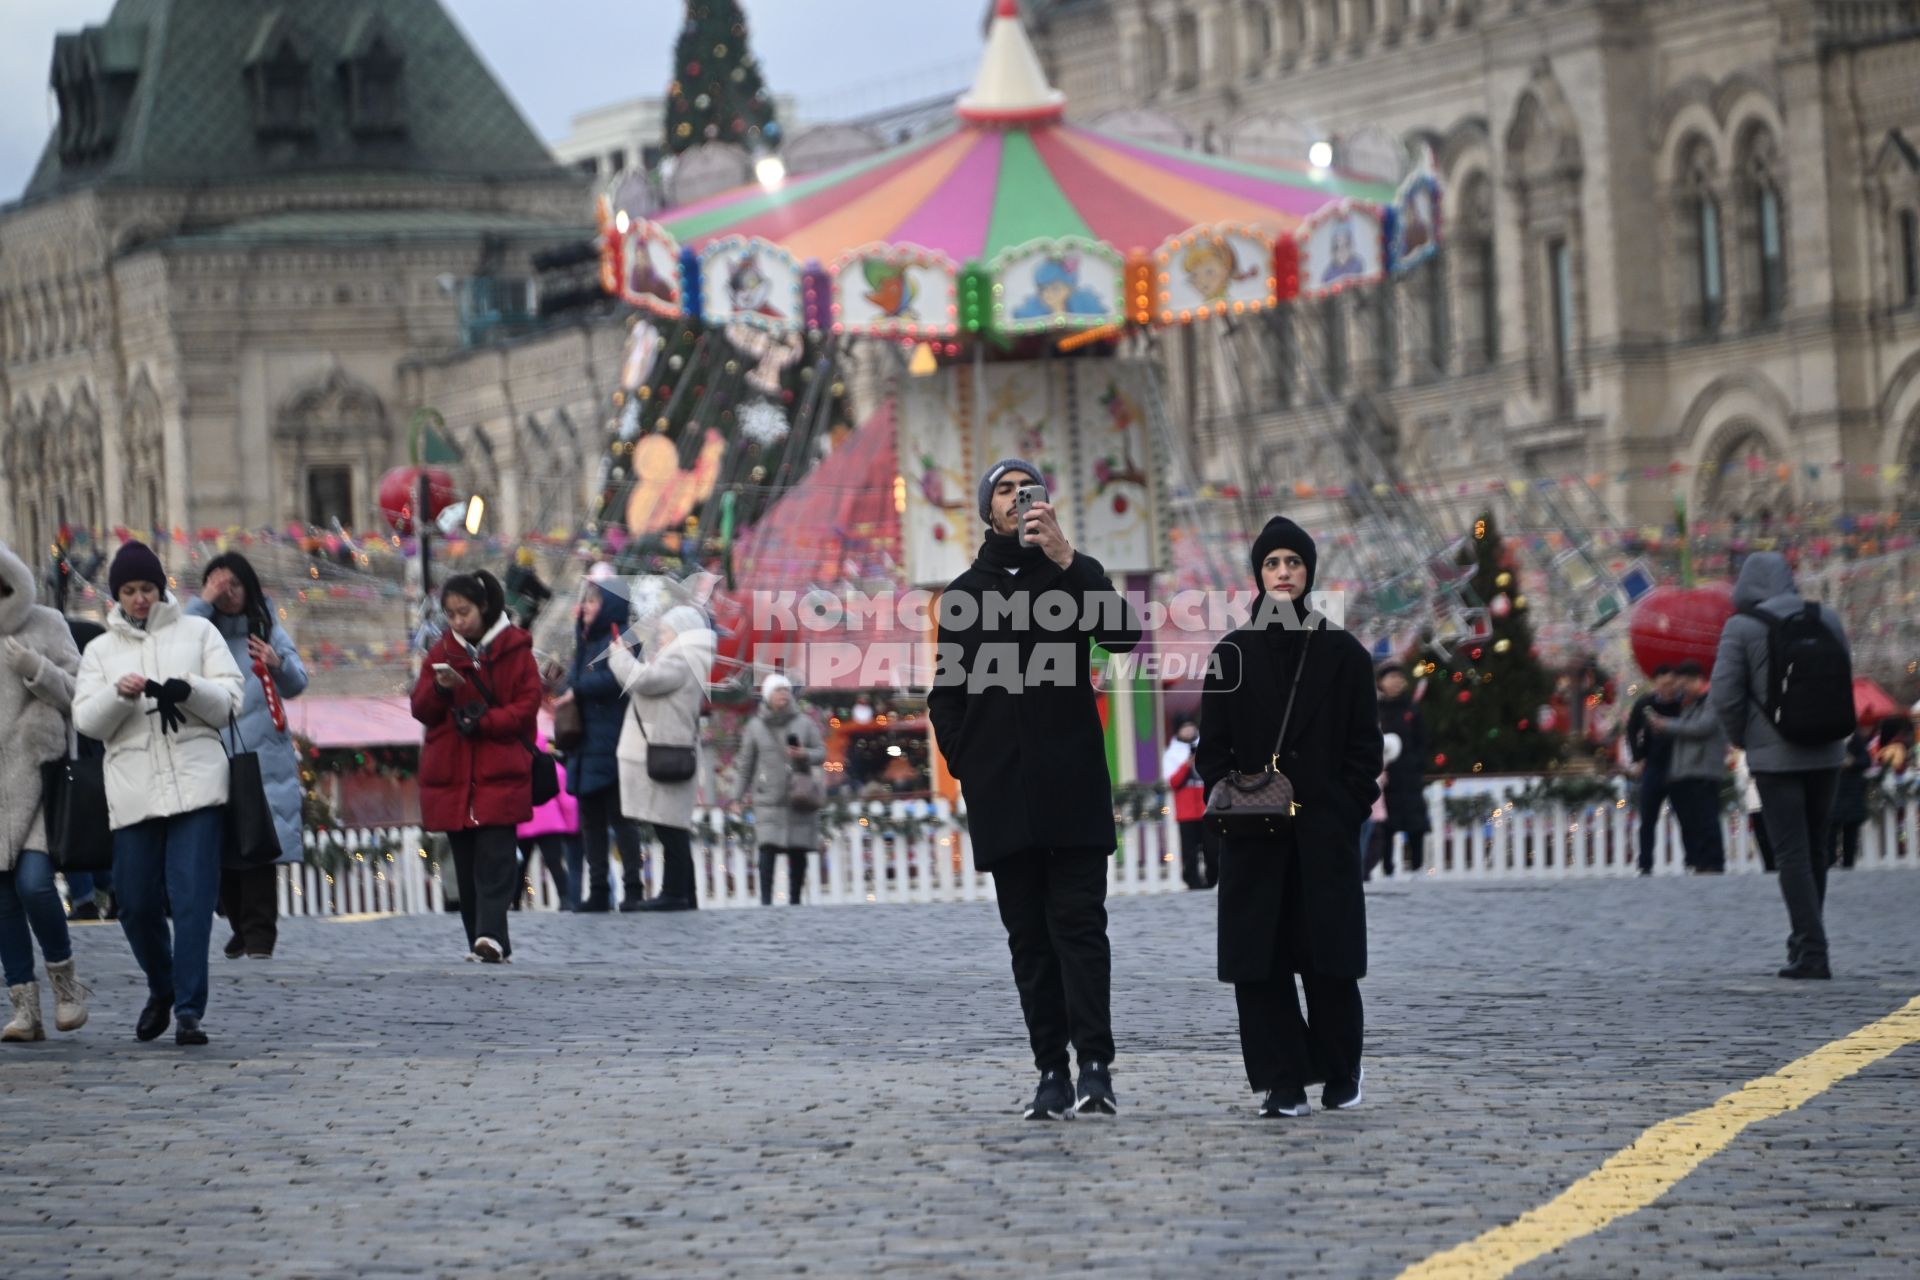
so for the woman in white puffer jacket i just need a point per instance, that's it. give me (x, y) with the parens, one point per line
(157, 689)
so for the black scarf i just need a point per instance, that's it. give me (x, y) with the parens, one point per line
(1004, 551)
(1284, 627)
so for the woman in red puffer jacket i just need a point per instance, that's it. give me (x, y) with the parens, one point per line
(479, 697)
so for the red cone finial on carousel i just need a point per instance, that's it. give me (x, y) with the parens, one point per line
(1011, 90)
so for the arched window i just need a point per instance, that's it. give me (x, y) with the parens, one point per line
(1698, 206)
(1386, 332)
(1260, 37)
(1713, 283)
(1478, 282)
(1186, 51)
(1333, 343)
(1762, 231)
(1908, 240)
(1433, 285)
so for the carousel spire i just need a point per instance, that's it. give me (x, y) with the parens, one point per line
(1011, 88)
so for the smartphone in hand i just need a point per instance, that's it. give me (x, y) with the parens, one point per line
(1023, 499)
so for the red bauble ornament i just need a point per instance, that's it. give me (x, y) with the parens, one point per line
(400, 488)
(1466, 695)
(1673, 624)
(693, 68)
(1119, 504)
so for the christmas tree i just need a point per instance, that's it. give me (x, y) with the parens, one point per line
(1483, 700)
(717, 94)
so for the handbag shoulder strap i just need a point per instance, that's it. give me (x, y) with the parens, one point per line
(1293, 691)
(638, 723)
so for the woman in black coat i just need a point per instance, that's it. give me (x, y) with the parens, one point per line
(1291, 903)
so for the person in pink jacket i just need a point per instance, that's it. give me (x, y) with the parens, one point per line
(554, 830)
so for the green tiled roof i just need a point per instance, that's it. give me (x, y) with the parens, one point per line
(190, 117)
(306, 227)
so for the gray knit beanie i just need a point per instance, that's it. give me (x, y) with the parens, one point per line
(992, 478)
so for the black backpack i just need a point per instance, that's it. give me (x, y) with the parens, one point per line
(1809, 693)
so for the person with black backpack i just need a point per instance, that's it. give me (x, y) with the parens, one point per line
(1783, 688)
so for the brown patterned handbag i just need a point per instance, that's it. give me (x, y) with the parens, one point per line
(1259, 803)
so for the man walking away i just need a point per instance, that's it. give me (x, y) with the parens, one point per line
(1406, 788)
(1652, 754)
(1015, 714)
(1695, 770)
(1783, 689)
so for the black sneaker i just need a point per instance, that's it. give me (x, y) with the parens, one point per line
(1288, 1100)
(87, 910)
(1095, 1094)
(1346, 1095)
(155, 1017)
(1803, 968)
(1053, 1100)
(236, 947)
(189, 1032)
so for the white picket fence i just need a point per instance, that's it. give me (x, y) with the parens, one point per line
(390, 873)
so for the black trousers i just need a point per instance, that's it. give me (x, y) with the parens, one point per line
(1653, 793)
(1757, 826)
(1280, 1048)
(1053, 903)
(1846, 843)
(676, 869)
(1797, 808)
(553, 857)
(250, 899)
(796, 873)
(1696, 803)
(487, 870)
(1199, 855)
(600, 813)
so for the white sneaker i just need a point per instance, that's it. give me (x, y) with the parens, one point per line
(488, 950)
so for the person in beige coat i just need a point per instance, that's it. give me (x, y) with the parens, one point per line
(37, 662)
(157, 690)
(666, 688)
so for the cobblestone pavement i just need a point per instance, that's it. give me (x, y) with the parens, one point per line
(834, 1092)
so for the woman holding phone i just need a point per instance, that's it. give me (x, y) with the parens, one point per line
(1289, 691)
(231, 599)
(479, 697)
(659, 749)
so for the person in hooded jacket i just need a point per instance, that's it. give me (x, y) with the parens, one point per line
(1017, 718)
(1797, 783)
(479, 695)
(37, 664)
(1199, 851)
(666, 690)
(232, 600)
(1291, 902)
(158, 690)
(593, 769)
(780, 739)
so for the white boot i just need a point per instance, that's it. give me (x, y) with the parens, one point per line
(26, 1024)
(69, 996)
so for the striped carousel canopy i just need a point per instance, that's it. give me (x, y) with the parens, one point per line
(1010, 220)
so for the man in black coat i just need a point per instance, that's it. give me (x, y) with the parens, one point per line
(1291, 902)
(1406, 776)
(1652, 754)
(1016, 716)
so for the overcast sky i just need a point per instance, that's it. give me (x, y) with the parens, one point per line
(559, 57)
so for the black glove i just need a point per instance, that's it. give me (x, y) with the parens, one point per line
(466, 717)
(168, 699)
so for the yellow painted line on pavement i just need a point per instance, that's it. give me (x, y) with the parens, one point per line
(361, 917)
(1660, 1157)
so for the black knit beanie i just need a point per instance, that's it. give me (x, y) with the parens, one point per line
(1282, 532)
(136, 562)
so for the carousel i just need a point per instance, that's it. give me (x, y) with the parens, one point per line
(1012, 274)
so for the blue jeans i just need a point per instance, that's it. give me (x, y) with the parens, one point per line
(171, 860)
(28, 901)
(81, 884)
